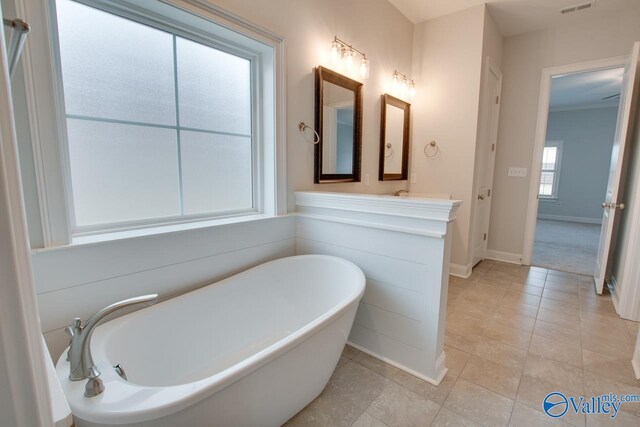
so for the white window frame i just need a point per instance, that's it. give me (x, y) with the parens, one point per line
(45, 104)
(556, 171)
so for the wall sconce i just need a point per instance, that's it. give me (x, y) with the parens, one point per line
(402, 86)
(344, 58)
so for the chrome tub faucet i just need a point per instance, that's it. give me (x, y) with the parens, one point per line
(79, 354)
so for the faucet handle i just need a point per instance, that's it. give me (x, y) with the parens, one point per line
(72, 329)
(94, 385)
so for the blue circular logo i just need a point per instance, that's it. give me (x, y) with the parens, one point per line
(555, 405)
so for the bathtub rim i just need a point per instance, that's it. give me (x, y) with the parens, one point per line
(173, 398)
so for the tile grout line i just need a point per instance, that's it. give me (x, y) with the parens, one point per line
(376, 396)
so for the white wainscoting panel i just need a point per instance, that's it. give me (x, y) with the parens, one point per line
(77, 281)
(403, 247)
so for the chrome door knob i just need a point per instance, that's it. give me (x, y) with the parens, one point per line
(605, 205)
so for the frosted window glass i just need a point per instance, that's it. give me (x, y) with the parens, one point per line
(115, 68)
(122, 172)
(216, 172)
(214, 89)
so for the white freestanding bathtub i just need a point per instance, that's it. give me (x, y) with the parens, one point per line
(251, 350)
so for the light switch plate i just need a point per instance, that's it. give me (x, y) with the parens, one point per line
(518, 172)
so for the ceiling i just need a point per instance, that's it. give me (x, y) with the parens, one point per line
(589, 89)
(516, 16)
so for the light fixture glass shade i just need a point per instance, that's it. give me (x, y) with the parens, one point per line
(348, 61)
(335, 53)
(412, 91)
(404, 90)
(364, 68)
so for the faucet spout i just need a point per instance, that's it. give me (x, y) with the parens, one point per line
(79, 355)
(399, 192)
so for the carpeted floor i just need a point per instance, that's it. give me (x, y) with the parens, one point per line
(566, 246)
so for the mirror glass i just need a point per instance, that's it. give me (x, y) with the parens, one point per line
(394, 139)
(339, 123)
(337, 129)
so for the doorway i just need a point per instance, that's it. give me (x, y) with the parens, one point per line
(581, 126)
(612, 204)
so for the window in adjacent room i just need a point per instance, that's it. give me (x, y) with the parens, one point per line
(550, 177)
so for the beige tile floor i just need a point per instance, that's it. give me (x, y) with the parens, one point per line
(513, 335)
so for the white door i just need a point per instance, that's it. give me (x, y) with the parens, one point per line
(612, 204)
(486, 159)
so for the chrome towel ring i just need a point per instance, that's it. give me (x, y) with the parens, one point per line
(390, 148)
(431, 150)
(302, 127)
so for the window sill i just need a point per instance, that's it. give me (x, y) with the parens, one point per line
(153, 231)
(547, 199)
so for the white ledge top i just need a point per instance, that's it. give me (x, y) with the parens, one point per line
(407, 206)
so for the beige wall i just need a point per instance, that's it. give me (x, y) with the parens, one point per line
(492, 40)
(448, 54)
(308, 26)
(448, 57)
(524, 57)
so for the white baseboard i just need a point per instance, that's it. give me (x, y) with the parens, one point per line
(571, 218)
(440, 369)
(460, 270)
(504, 257)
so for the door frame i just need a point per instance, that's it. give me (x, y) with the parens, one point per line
(541, 134)
(491, 120)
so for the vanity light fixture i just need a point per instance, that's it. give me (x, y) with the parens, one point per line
(402, 86)
(343, 57)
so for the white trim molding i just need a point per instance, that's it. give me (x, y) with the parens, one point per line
(43, 106)
(458, 270)
(589, 106)
(505, 257)
(540, 139)
(566, 218)
(406, 207)
(635, 362)
(440, 365)
(24, 397)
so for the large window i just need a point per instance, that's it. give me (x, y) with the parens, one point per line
(160, 122)
(550, 178)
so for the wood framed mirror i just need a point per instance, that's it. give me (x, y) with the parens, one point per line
(394, 139)
(338, 121)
